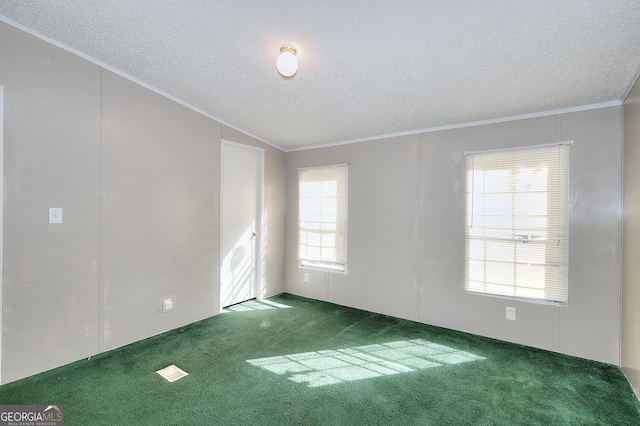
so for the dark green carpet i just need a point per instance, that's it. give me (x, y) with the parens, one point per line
(316, 363)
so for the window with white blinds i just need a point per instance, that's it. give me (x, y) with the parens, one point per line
(322, 236)
(517, 225)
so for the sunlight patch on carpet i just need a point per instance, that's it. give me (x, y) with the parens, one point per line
(329, 367)
(172, 373)
(254, 305)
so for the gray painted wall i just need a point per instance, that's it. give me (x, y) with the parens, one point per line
(630, 359)
(138, 178)
(159, 216)
(50, 280)
(406, 233)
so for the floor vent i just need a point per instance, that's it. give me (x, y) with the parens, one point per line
(172, 373)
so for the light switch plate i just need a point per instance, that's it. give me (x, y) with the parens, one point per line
(55, 215)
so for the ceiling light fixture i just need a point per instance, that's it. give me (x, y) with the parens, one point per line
(287, 62)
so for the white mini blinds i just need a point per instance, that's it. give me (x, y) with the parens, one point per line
(322, 229)
(517, 225)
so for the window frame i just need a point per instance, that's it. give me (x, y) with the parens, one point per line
(339, 262)
(479, 265)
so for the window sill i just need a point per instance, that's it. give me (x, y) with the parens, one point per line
(324, 268)
(520, 299)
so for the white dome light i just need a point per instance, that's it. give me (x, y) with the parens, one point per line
(287, 62)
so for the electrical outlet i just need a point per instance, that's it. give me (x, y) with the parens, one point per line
(55, 215)
(168, 305)
(306, 277)
(511, 314)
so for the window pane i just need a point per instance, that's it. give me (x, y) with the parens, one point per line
(312, 206)
(530, 204)
(476, 249)
(329, 189)
(496, 181)
(476, 270)
(531, 276)
(478, 286)
(498, 204)
(530, 293)
(329, 240)
(330, 225)
(313, 189)
(522, 224)
(329, 206)
(503, 290)
(528, 179)
(500, 273)
(328, 253)
(313, 239)
(499, 251)
(530, 253)
(313, 252)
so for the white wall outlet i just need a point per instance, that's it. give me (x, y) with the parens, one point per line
(55, 215)
(511, 314)
(168, 305)
(306, 277)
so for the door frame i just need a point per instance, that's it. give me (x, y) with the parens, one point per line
(260, 227)
(1, 215)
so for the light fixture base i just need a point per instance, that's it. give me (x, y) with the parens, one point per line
(289, 49)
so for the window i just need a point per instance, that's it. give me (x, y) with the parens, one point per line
(517, 230)
(322, 236)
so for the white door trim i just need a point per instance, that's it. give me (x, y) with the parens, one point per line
(1, 214)
(260, 228)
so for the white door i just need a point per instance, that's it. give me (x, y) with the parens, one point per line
(240, 218)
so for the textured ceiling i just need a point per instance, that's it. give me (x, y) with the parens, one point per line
(367, 68)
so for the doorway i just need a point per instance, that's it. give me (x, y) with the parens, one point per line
(241, 188)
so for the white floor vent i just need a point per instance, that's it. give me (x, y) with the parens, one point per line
(172, 373)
